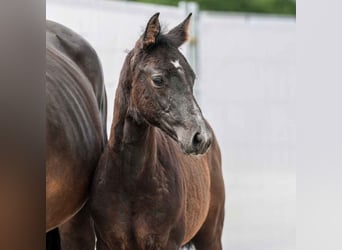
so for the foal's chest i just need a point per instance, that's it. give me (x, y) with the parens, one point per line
(157, 214)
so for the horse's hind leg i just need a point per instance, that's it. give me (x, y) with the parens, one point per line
(78, 233)
(53, 241)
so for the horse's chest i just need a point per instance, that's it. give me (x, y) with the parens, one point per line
(155, 216)
(159, 208)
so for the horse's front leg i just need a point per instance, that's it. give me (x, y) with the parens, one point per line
(172, 246)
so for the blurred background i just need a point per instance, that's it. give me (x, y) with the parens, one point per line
(243, 52)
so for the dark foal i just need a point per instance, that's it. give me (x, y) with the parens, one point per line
(159, 182)
(75, 135)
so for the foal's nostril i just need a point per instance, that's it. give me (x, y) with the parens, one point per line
(198, 138)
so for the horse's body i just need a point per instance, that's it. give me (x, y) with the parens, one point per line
(150, 192)
(76, 122)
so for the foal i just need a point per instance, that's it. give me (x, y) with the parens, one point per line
(159, 182)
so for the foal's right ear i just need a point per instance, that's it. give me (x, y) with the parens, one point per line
(180, 33)
(151, 32)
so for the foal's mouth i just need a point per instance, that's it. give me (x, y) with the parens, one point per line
(195, 150)
(190, 142)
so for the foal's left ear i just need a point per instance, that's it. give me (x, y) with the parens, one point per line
(151, 32)
(180, 33)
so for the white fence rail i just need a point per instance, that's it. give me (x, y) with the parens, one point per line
(246, 90)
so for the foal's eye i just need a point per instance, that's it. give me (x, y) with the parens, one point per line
(158, 81)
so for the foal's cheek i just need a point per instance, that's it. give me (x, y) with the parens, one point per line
(140, 97)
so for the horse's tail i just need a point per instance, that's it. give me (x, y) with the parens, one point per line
(53, 241)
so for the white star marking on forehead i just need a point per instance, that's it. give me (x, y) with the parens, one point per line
(176, 64)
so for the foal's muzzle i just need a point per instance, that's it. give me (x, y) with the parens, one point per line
(197, 143)
(200, 143)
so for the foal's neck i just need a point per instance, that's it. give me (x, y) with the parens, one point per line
(138, 149)
(132, 139)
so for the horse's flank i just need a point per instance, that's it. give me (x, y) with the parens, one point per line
(75, 129)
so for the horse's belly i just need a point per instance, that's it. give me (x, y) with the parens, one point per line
(66, 191)
(74, 137)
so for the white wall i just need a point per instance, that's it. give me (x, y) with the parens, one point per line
(246, 90)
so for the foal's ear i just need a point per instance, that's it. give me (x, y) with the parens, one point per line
(151, 32)
(179, 34)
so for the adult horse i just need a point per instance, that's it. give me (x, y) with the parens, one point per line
(159, 181)
(76, 108)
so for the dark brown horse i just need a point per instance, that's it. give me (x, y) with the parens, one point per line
(159, 182)
(76, 109)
